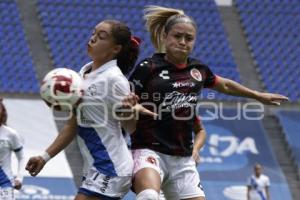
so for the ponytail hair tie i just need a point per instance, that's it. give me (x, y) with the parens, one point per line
(136, 41)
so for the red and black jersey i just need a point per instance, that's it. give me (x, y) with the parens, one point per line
(172, 92)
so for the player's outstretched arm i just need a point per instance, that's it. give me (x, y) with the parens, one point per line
(36, 163)
(231, 87)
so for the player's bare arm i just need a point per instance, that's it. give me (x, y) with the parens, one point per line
(231, 87)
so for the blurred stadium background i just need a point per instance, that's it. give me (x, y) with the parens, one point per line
(255, 42)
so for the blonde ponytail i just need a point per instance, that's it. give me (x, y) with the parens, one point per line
(156, 18)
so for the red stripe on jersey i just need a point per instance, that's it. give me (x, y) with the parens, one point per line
(216, 80)
(181, 66)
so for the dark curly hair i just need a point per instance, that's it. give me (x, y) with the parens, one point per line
(128, 55)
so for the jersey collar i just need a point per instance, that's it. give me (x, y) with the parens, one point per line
(104, 67)
(160, 58)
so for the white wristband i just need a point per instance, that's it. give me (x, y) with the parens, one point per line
(46, 157)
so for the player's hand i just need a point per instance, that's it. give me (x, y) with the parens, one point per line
(138, 108)
(271, 99)
(17, 184)
(131, 106)
(130, 100)
(35, 165)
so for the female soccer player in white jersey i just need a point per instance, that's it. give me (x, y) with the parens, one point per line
(10, 141)
(113, 51)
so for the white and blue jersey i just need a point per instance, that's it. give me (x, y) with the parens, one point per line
(10, 141)
(100, 136)
(258, 187)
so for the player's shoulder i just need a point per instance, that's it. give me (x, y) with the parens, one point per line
(114, 74)
(118, 79)
(149, 65)
(196, 62)
(155, 61)
(264, 177)
(142, 70)
(145, 63)
(9, 130)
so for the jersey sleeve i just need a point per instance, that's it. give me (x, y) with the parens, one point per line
(16, 141)
(210, 78)
(139, 77)
(118, 89)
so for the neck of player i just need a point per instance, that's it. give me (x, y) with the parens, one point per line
(175, 60)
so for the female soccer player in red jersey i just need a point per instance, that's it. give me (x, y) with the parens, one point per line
(168, 83)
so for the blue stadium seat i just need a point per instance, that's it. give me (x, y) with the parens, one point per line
(273, 40)
(290, 120)
(67, 25)
(15, 61)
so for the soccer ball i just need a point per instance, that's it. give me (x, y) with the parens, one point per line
(61, 89)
